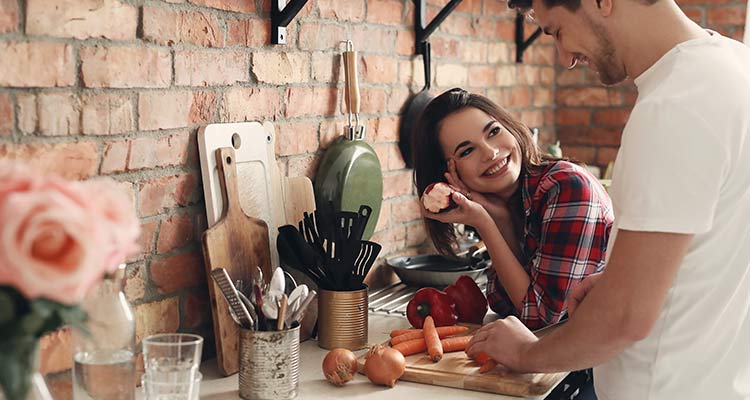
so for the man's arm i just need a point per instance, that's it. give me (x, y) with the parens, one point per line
(619, 310)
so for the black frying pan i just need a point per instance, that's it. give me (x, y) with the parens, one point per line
(414, 109)
(439, 271)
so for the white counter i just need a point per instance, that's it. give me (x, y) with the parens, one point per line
(313, 385)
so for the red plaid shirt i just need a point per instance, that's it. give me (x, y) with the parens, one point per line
(566, 228)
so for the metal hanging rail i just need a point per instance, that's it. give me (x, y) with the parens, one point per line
(422, 32)
(522, 44)
(281, 15)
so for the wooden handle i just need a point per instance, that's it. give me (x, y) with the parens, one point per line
(225, 160)
(352, 85)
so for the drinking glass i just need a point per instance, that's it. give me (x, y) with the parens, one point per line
(172, 361)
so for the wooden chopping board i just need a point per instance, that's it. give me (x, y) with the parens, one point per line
(456, 370)
(258, 178)
(237, 243)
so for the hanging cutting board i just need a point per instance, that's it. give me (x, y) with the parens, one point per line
(258, 179)
(456, 370)
(299, 198)
(237, 243)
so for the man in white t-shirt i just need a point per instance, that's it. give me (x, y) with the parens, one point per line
(669, 318)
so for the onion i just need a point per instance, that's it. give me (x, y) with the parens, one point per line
(384, 365)
(339, 366)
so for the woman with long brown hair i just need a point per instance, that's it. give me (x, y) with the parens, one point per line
(545, 221)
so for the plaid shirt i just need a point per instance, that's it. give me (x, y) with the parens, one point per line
(568, 217)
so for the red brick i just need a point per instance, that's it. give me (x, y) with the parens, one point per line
(326, 67)
(383, 129)
(318, 36)
(115, 157)
(518, 97)
(572, 116)
(474, 52)
(319, 101)
(227, 67)
(383, 154)
(416, 234)
(481, 76)
(281, 68)
(391, 239)
(250, 104)
(296, 138)
(567, 77)
(611, 117)
(397, 99)
(71, 160)
(125, 67)
(248, 32)
(134, 285)
(470, 6)
(196, 309)
(203, 108)
(498, 53)
(375, 40)
(36, 64)
(374, 100)
(384, 219)
(161, 316)
(485, 28)
(460, 25)
(585, 154)
(384, 11)
(56, 351)
(591, 96)
(332, 129)
(397, 184)
(395, 159)
(305, 165)
(81, 20)
(543, 97)
(405, 43)
(605, 155)
(146, 241)
(444, 49)
(734, 15)
(167, 27)
(152, 114)
(241, 6)
(406, 210)
(589, 136)
(532, 118)
(159, 194)
(8, 16)
(412, 73)
(451, 75)
(7, 116)
(54, 114)
(547, 76)
(505, 30)
(349, 10)
(107, 114)
(378, 69)
(497, 8)
(148, 152)
(175, 232)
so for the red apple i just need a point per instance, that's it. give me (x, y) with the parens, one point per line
(438, 197)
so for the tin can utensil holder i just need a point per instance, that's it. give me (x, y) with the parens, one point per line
(342, 319)
(269, 364)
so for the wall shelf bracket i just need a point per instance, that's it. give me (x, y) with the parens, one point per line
(522, 44)
(421, 32)
(282, 13)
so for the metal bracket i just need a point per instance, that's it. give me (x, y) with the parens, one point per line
(423, 33)
(281, 15)
(522, 44)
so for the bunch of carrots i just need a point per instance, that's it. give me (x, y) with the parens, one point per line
(436, 341)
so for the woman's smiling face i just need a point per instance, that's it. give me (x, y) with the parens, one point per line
(487, 156)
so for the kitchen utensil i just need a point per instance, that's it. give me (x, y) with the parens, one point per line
(367, 255)
(258, 179)
(342, 319)
(262, 320)
(250, 308)
(282, 313)
(273, 294)
(230, 294)
(349, 173)
(239, 244)
(298, 254)
(269, 364)
(414, 108)
(296, 298)
(439, 271)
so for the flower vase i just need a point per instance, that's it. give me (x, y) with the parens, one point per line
(19, 370)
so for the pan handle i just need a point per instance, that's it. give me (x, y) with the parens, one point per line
(426, 59)
(350, 76)
(477, 249)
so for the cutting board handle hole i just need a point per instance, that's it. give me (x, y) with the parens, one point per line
(229, 160)
(236, 141)
(268, 139)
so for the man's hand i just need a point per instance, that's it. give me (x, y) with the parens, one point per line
(579, 292)
(505, 341)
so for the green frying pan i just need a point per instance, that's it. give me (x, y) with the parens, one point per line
(349, 173)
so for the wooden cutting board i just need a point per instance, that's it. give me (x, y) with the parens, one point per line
(456, 370)
(299, 198)
(258, 178)
(237, 243)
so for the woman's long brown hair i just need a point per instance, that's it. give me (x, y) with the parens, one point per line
(430, 163)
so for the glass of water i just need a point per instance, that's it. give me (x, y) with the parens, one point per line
(172, 361)
(171, 391)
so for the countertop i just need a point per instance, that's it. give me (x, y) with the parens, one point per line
(314, 386)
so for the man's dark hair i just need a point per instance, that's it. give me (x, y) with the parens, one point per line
(525, 5)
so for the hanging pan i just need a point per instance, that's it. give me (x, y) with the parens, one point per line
(349, 174)
(413, 110)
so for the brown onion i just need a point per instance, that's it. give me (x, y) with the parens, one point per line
(339, 366)
(384, 365)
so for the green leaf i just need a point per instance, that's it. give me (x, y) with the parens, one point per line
(7, 307)
(17, 359)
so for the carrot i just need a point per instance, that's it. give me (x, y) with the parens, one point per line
(410, 347)
(485, 362)
(443, 331)
(431, 338)
(455, 343)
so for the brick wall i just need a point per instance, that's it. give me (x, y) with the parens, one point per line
(120, 87)
(589, 118)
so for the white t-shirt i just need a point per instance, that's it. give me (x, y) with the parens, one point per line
(684, 167)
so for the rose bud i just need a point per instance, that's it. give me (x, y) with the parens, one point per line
(438, 197)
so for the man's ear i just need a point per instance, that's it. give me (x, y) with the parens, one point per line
(605, 7)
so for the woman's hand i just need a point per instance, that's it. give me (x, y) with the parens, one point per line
(495, 206)
(467, 212)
